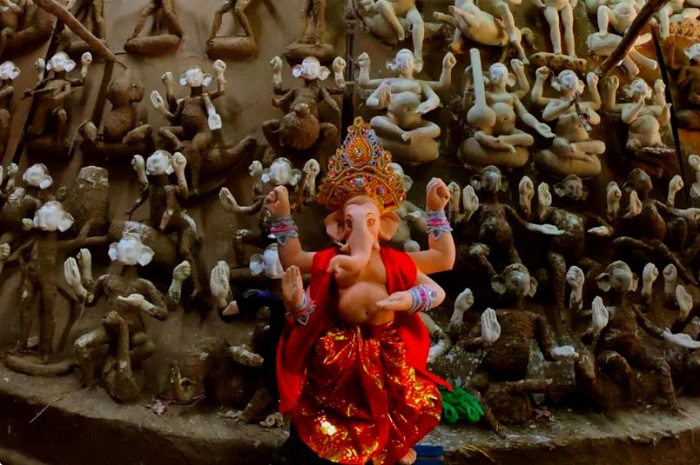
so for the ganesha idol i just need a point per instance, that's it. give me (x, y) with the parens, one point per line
(362, 306)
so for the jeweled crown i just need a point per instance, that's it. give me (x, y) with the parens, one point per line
(361, 166)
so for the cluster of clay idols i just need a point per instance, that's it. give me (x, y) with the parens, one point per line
(41, 225)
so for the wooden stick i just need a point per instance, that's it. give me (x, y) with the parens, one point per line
(63, 15)
(627, 42)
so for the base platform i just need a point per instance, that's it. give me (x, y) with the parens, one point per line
(55, 421)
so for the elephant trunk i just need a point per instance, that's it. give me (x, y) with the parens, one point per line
(359, 248)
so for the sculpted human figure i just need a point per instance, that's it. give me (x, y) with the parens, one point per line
(553, 10)
(403, 131)
(164, 201)
(675, 11)
(194, 117)
(618, 345)
(165, 19)
(376, 293)
(24, 26)
(123, 329)
(236, 47)
(300, 130)
(496, 140)
(50, 120)
(645, 115)
(572, 151)
(8, 73)
(688, 114)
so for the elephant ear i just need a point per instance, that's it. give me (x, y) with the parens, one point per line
(324, 73)
(388, 225)
(296, 71)
(66, 222)
(14, 72)
(559, 189)
(207, 80)
(295, 178)
(476, 182)
(265, 177)
(112, 252)
(498, 284)
(335, 226)
(70, 66)
(635, 283)
(146, 255)
(533, 287)
(183, 79)
(603, 281)
(46, 182)
(257, 264)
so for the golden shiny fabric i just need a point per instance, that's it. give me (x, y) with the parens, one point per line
(362, 401)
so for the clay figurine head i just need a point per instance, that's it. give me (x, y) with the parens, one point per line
(572, 188)
(130, 251)
(60, 62)
(8, 71)
(310, 70)
(639, 180)
(195, 77)
(489, 180)
(639, 88)
(52, 217)
(281, 173)
(499, 76)
(515, 281)
(404, 62)
(407, 181)
(693, 52)
(268, 263)
(618, 277)
(159, 163)
(568, 81)
(37, 175)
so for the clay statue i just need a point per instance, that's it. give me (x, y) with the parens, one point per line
(44, 252)
(694, 162)
(619, 14)
(159, 43)
(495, 27)
(495, 237)
(645, 227)
(194, 117)
(8, 73)
(25, 27)
(48, 131)
(496, 140)
(675, 11)
(568, 249)
(372, 290)
(618, 346)
(123, 328)
(392, 12)
(553, 10)
(572, 151)
(300, 130)
(645, 121)
(403, 131)
(233, 47)
(526, 192)
(504, 336)
(689, 84)
(164, 200)
(412, 217)
(91, 14)
(123, 133)
(310, 41)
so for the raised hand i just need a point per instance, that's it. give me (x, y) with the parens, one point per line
(674, 185)
(136, 300)
(219, 284)
(180, 273)
(220, 68)
(685, 302)
(490, 327)
(600, 316)
(292, 287)
(72, 273)
(157, 101)
(4, 252)
(470, 201)
(544, 196)
(437, 195)
(277, 201)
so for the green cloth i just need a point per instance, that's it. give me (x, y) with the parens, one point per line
(460, 405)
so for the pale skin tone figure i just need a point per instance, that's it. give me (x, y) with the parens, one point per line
(391, 10)
(553, 10)
(167, 9)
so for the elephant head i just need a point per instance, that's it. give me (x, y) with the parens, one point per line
(37, 175)
(130, 251)
(52, 217)
(195, 77)
(281, 173)
(268, 263)
(8, 71)
(60, 62)
(359, 225)
(515, 281)
(311, 70)
(618, 277)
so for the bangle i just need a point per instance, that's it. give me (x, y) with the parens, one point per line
(423, 297)
(437, 223)
(282, 228)
(302, 311)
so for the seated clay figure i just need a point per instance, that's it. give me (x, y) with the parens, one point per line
(645, 116)
(310, 41)
(496, 140)
(403, 131)
(164, 19)
(674, 11)
(688, 114)
(235, 47)
(123, 329)
(90, 13)
(24, 27)
(572, 151)
(48, 132)
(8, 73)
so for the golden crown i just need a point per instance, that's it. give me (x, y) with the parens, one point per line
(361, 166)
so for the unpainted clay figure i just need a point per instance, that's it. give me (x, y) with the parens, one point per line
(392, 12)
(91, 14)
(376, 292)
(619, 15)
(8, 73)
(689, 84)
(618, 345)
(495, 237)
(554, 10)
(694, 162)
(572, 151)
(675, 11)
(300, 130)
(645, 224)
(412, 217)
(495, 27)
(496, 140)
(24, 27)
(164, 18)
(122, 134)
(164, 201)
(646, 115)
(232, 47)
(403, 131)
(310, 41)
(123, 329)
(504, 337)
(48, 130)
(569, 248)
(45, 250)
(193, 118)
